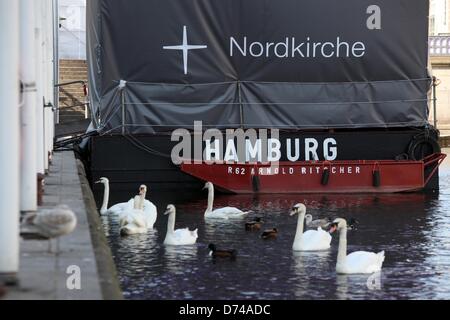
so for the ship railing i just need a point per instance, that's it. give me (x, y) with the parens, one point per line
(75, 101)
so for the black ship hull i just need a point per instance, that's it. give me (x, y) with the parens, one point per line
(131, 160)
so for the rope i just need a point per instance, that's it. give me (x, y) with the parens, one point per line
(134, 141)
(261, 126)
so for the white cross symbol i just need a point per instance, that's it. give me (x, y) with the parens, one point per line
(185, 47)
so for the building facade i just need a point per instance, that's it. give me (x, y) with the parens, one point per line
(439, 17)
(439, 46)
(72, 30)
(72, 46)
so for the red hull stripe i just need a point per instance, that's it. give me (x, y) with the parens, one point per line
(361, 176)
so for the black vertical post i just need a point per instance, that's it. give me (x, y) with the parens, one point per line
(122, 102)
(434, 102)
(241, 107)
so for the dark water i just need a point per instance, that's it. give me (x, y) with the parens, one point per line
(413, 229)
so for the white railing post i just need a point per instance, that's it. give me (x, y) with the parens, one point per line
(28, 169)
(40, 146)
(56, 57)
(44, 66)
(49, 71)
(48, 67)
(9, 139)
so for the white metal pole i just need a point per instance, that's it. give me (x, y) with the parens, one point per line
(46, 77)
(28, 168)
(56, 56)
(39, 89)
(44, 26)
(50, 73)
(9, 138)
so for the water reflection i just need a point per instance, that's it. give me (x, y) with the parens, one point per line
(178, 259)
(306, 266)
(413, 229)
(342, 291)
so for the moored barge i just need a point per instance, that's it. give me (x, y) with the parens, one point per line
(343, 84)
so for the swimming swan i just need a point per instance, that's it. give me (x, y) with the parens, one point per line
(116, 209)
(132, 221)
(124, 209)
(311, 240)
(221, 213)
(179, 237)
(359, 262)
(150, 211)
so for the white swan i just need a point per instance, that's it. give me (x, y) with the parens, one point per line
(142, 215)
(179, 237)
(150, 211)
(133, 221)
(359, 262)
(124, 208)
(116, 209)
(311, 240)
(221, 213)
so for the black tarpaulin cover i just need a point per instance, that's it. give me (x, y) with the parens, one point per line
(156, 65)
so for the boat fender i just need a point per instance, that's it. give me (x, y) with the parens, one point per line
(85, 90)
(403, 156)
(325, 176)
(422, 140)
(376, 176)
(256, 183)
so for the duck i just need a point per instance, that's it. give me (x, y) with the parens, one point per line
(254, 225)
(352, 224)
(314, 224)
(179, 237)
(48, 224)
(270, 234)
(358, 262)
(133, 221)
(215, 253)
(221, 213)
(311, 240)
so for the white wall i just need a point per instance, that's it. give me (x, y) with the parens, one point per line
(72, 34)
(439, 17)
